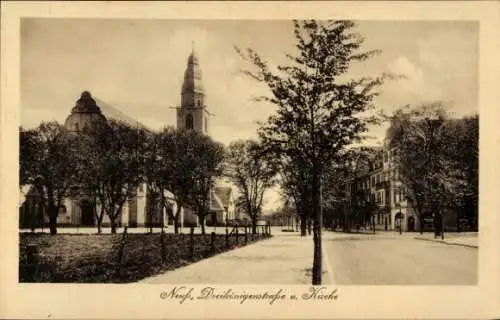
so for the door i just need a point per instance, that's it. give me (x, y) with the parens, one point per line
(87, 210)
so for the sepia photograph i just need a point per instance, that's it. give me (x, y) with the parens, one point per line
(170, 151)
(199, 154)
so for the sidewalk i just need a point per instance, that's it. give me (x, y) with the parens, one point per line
(286, 258)
(466, 239)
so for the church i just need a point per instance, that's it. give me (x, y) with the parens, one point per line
(142, 210)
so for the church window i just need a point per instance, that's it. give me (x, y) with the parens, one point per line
(206, 124)
(198, 103)
(189, 122)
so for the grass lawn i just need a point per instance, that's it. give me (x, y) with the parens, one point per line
(107, 258)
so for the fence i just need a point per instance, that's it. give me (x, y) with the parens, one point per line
(122, 257)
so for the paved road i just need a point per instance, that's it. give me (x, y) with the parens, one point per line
(392, 260)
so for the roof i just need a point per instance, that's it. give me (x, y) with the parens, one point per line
(113, 113)
(224, 194)
(216, 203)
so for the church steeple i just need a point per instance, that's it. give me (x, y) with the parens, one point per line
(192, 88)
(192, 113)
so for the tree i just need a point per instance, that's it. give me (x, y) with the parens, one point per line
(47, 163)
(171, 169)
(155, 169)
(209, 165)
(318, 113)
(189, 160)
(118, 166)
(460, 143)
(89, 183)
(437, 159)
(253, 173)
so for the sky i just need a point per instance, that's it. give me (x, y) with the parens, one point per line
(137, 66)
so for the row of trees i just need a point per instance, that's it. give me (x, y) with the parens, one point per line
(107, 163)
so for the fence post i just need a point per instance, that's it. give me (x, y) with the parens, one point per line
(162, 241)
(121, 251)
(212, 242)
(191, 243)
(227, 238)
(236, 235)
(246, 235)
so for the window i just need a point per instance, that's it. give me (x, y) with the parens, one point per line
(206, 125)
(198, 103)
(189, 122)
(396, 195)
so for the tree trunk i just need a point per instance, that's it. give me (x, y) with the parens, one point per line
(303, 227)
(317, 217)
(113, 225)
(176, 219)
(52, 222)
(52, 211)
(202, 223)
(254, 225)
(99, 220)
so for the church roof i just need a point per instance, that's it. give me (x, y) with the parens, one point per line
(86, 104)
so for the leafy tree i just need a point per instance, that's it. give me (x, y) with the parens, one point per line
(89, 184)
(156, 163)
(437, 157)
(173, 171)
(209, 165)
(318, 113)
(119, 166)
(189, 161)
(295, 186)
(460, 143)
(47, 163)
(253, 173)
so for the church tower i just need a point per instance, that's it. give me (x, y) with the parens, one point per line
(193, 114)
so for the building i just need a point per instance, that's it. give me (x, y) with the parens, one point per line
(144, 209)
(382, 182)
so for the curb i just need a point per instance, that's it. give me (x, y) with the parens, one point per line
(448, 243)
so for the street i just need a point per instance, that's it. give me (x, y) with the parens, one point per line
(393, 260)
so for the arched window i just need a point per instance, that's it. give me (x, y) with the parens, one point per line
(206, 125)
(189, 122)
